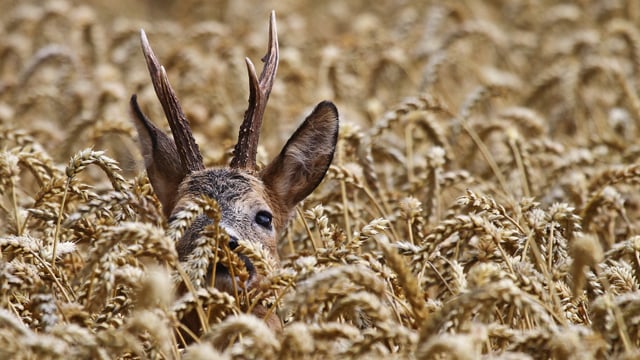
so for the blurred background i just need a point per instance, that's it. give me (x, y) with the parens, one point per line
(68, 68)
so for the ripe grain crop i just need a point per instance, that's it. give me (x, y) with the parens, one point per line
(483, 201)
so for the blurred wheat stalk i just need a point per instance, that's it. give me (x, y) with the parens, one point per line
(483, 203)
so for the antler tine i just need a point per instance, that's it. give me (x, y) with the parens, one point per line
(244, 153)
(188, 150)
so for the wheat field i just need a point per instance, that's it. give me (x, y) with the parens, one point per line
(483, 202)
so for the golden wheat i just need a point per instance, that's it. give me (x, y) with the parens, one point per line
(483, 202)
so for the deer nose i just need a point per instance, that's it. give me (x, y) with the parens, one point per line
(233, 242)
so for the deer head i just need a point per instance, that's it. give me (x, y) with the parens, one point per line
(255, 204)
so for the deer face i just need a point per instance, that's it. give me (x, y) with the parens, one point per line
(255, 205)
(246, 209)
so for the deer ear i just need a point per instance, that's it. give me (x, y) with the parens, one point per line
(161, 159)
(305, 158)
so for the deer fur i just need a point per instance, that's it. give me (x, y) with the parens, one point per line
(255, 205)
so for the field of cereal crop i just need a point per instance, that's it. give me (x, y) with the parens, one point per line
(483, 202)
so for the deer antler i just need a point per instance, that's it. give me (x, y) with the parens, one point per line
(244, 153)
(188, 150)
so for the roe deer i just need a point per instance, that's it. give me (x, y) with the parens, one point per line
(255, 204)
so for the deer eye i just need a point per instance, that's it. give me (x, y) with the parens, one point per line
(264, 219)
